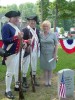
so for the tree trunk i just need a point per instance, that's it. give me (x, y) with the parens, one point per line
(56, 17)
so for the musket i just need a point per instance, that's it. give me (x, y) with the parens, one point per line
(21, 96)
(32, 79)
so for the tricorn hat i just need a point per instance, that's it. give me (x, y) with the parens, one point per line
(12, 14)
(33, 18)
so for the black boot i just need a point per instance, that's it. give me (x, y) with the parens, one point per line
(35, 82)
(25, 84)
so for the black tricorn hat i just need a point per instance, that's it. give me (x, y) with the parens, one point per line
(12, 14)
(33, 18)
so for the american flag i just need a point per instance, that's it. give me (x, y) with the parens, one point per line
(62, 89)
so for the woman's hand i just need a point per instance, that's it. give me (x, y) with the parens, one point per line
(55, 57)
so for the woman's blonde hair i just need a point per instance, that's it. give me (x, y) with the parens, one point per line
(46, 22)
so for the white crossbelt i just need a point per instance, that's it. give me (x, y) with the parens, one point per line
(34, 37)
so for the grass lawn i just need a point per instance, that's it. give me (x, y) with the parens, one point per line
(42, 93)
(65, 60)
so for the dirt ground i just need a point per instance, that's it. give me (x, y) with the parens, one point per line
(42, 92)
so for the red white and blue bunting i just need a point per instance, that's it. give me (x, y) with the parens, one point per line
(68, 45)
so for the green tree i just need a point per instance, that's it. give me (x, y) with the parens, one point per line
(44, 9)
(27, 9)
(12, 7)
(62, 30)
(2, 10)
(66, 9)
(62, 10)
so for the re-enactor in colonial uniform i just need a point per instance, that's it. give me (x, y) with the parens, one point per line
(11, 36)
(30, 32)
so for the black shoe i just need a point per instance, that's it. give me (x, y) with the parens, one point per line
(35, 81)
(25, 83)
(16, 89)
(9, 95)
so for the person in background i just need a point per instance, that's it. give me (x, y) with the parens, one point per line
(48, 50)
(30, 32)
(11, 36)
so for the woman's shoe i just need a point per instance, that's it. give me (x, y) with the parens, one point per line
(46, 84)
(49, 84)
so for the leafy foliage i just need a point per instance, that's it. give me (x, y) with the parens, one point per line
(63, 12)
(60, 11)
(2, 10)
(12, 7)
(27, 9)
(44, 8)
(62, 30)
(66, 9)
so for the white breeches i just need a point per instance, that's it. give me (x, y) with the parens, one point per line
(26, 62)
(12, 63)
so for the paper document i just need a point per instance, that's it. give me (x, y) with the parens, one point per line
(51, 60)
